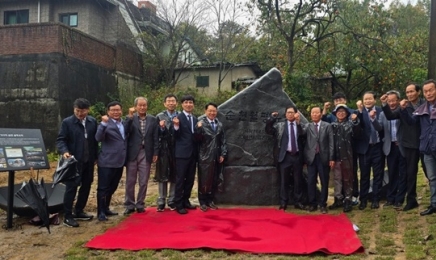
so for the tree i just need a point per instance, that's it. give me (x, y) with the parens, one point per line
(306, 22)
(231, 39)
(170, 47)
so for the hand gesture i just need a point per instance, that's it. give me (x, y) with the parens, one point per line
(274, 114)
(199, 124)
(297, 118)
(384, 98)
(403, 103)
(353, 117)
(162, 123)
(131, 111)
(104, 119)
(372, 114)
(359, 105)
(327, 105)
(176, 121)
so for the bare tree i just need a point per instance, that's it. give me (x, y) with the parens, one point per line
(169, 47)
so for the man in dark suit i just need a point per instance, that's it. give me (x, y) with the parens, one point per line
(319, 156)
(289, 146)
(396, 191)
(408, 138)
(369, 149)
(142, 150)
(111, 159)
(77, 138)
(185, 153)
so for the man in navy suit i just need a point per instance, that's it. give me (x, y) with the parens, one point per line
(141, 130)
(112, 157)
(77, 138)
(185, 153)
(290, 155)
(369, 148)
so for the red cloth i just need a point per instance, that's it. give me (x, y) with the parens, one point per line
(261, 230)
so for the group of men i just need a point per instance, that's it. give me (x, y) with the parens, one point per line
(176, 141)
(399, 133)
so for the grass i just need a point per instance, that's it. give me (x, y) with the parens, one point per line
(384, 233)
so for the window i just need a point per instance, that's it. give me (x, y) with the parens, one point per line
(202, 81)
(17, 16)
(69, 19)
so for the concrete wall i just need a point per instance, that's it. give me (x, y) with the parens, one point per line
(188, 78)
(38, 90)
(51, 67)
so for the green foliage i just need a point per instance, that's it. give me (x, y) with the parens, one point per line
(97, 110)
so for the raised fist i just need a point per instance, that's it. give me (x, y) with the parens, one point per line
(105, 119)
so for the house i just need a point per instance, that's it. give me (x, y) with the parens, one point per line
(206, 77)
(54, 51)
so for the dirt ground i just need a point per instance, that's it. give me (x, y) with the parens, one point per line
(26, 241)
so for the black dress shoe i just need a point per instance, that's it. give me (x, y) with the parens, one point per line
(128, 212)
(430, 210)
(323, 210)
(410, 205)
(212, 206)
(203, 208)
(102, 217)
(388, 204)
(311, 208)
(182, 211)
(283, 207)
(398, 206)
(190, 206)
(299, 206)
(375, 205)
(111, 213)
(362, 205)
(140, 210)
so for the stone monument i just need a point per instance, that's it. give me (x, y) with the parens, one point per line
(250, 174)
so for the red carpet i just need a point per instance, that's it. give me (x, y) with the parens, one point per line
(262, 230)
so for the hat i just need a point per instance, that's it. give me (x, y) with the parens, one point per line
(341, 106)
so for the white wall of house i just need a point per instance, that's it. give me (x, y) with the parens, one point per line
(188, 79)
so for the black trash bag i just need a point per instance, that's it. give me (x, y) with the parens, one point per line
(35, 195)
(66, 170)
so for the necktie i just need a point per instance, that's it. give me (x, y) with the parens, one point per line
(212, 124)
(190, 123)
(293, 141)
(317, 138)
(373, 137)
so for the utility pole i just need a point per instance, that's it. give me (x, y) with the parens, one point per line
(432, 42)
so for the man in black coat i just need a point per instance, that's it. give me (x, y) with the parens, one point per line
(77, 138)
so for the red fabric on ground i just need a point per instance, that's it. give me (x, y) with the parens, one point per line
(261, 230)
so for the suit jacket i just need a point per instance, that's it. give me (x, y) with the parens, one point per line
(71, 138)
(408, 135)
(324, 139)
(185, 141)
(113, 146)
(134, 137)
(281, 131)
(362, 143)
(383, 124)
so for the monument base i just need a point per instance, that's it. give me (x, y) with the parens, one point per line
(249, 185)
